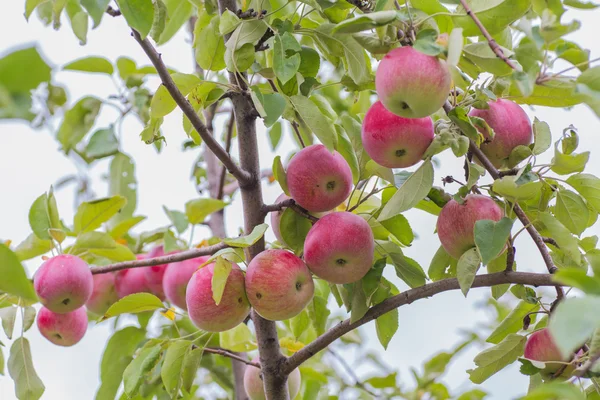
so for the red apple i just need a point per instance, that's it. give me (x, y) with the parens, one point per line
(204, 313)
(62, 329)
(63, 283)
(511, 128)
(319, 180)
(393, 141)
(456, 222)
(278, 284)
(131, 280)
(540, 346)
(176, 279)
(104, 294)
(154, 274)
(339, 248)
(412, 84)
(253, 382)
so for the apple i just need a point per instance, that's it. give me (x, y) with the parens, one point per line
(253, 382)
(278, 284)
(131, 280)
(104, 293)
(511, 128)
(393, 141)
(204, 313)
(412, 84)
(62, 329)
(176, 279)
(540, 346)
(63, 283)
(339, 248)
(154, 274)
(456, 222)
(319, 180)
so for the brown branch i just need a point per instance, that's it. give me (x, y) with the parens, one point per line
(240, 174)
(227, 149)
(491, 41)
(408, 297)
(113, 12)
(510, 255)
(298, 134)
(171, 258)
(233, 356)
(551, 241)
(289, 203)
(512, 171)
(363, 5)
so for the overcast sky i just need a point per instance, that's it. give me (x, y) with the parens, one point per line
(30, 162)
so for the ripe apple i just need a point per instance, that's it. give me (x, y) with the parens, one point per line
(317, 179)
(131, 280)
(104, 293)
(393, 141)
(154, 274)
(62, 329)
(63, 283)
(204, 313)
(540, 346)
(278, 284)
(456, 222)
(253, 382)
(412, 84)
(511, 128)
(339, 248)
(176, 279)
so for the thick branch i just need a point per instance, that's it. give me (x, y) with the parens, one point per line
(171, 258)
(233, 356)
(230, 123)
(491, 41)
(230, 188)
(242, 176)
(408, 297)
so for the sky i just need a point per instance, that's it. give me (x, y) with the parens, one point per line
(30, 162)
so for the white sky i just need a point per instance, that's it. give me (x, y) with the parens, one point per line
(30, 163)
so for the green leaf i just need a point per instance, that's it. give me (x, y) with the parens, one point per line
(542, 136)
(513, 322)
(179, 220)
(583, 5)
(484, 57)
(578, 279)
(499, 265)
(408, 270)
(123, 227)
(318, 313)
(30, 6)
(122, 182)
(178, 14)
(28, 385)
(248, 32)
(507, 186)
(103, 143)
(8, 315)
(359, 306)
(197, 210)
(134, 303)
(272, 106)
(28, 317)
(142, 364)
(96, 9)
(573, 322)
(588, 186)
(39, 220)
(386, 327)
(91, 64)
(280, 175)
(468, 264)
(210, 47)
(162, 102)
(275, 135)
(365, 22)
(14, 279)
(555, 391)
(139, 14)
(294, 228)
(496, 358)
(191, 362)
(239, 60)
(568, 244)
(495, 15)
(32, 247)
(229, 21)
(400, 228)
(250, 239)
(219, 278)
(565, 164)
(299, 324)
(172, 368)
(92, 214)
(491, 237)
(238, 339)
(286, 57)
(415, 188)
(439, 263)
(455, 46)
(311, 116)
(15, 78)
(160, 20)
(571, 211)
(77, 122)
(426, 42)
(347, 151)
(309, 63)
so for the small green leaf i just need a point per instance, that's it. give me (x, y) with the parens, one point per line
(197, 210)
(498, 265)
(571, 211)
(311, 116)
(103, 143)
(542, 136)
(209, 45)
(14, 279)
(123, 182)
(91, 64)
(455, 46)
(280, 175)
(275, 135)
(178, 14)
(8, 316)
(318, 313)
(408, 270)
(96, 9)
(162, 103)
(359, 306)
(565, 164)
(92, 214)
(573, 322)
(386, 327)
(491, 237)
(507, 186)
(400, 228)
(468, 264)
(28, 385)
(299, 324)
(134, 303)
(494, 15)
(139, 14)
(179, 219)
(250, 239)
(238, 339)
(286, 57)
(513, 322)
(439, 264)
(239, 60)
(142, 364)
(294, 228)
(77, 122)
(365, 22)
(28, 317)
(39, 220)
(229, 21)
(33, 247)
(219, 278)
(496, 358)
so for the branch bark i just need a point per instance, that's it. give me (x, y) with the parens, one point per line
(408, 297)
(233, 356)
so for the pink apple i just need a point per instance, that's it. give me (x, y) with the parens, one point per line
(204, 313)
(176, 279)
(278, 284)
(456, 222)
(154, 274)
(412, 84)
(319, 180)
(63, 283)
(131, 280)
(62, 329)
(511, 128)
(104, 294)
(253, 382)
(339, 248)
(540, 346)
(393, 141)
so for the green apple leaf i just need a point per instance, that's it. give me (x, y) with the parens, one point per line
(238, 339)
(219, 279)
(133, 375)
(92, 214)
(588, 186)
(573, 322)
(134, 303)
(14, 278)
(571, 211)
(468, 264)
(250, 239)
(491, 237)
(513, 322)
(495, 358)
(28, 385)
(197, 210)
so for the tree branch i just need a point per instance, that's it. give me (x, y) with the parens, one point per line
(241, 175)
(491, 41)
(230, 188)
(428, 290)
(289, 203)
(233, 356)
(227, 149)
(584, 369)
(171, 258)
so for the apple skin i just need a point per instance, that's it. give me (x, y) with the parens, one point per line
(511, 127)
(278, 284)
(412, 84)
(393, 141)
(104, 293)
(253, 383)
(319, 180)
(456, 222)
(154, 274)
(540, 346)
(63, 283)
(176, 279)
(62, 329)
(131, 280)
(339, 248)
(204, 313)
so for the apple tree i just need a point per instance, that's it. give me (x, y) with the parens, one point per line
(372, 92)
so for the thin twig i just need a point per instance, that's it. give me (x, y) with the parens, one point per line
(512, 171)
(225, 353)
(297, 130)
(113, 12)
(581, 371)
(371, 193)
(289, 203)
(350, 371)
(227, 149)
(510, 255)
(551, 241)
